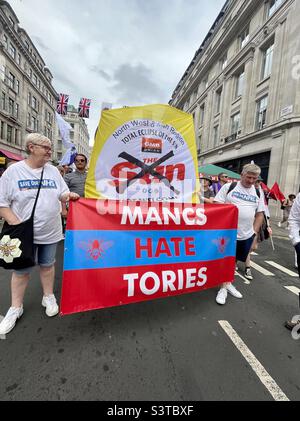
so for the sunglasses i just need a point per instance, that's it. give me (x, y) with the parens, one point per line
(79, 160)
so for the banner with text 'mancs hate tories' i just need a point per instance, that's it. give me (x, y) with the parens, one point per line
(118, 253)
(145, 153)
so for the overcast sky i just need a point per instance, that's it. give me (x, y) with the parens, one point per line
(127, 52)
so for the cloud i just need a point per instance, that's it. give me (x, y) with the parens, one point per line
(126, 52)
(134, 85)
(100, 72)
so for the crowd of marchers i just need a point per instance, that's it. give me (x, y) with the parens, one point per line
(64, 185)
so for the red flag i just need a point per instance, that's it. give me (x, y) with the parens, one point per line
(265, 187)
(276, 194)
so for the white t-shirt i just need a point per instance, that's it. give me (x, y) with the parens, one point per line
(248, 204)
(18, 189)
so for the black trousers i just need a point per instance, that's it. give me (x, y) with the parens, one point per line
(297, 249)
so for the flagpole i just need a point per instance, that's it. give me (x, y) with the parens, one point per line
(271, 238)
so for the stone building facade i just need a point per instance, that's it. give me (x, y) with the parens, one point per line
(243, 89)
(27, 97)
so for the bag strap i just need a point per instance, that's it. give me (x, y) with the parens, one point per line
(38, 193)
(231, 187)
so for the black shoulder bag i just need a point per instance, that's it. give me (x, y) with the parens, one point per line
(16, 242)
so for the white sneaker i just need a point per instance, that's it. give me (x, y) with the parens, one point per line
(279, 224)
(9, 321)
(221, 296)
(49, 301)
(248, 274)
(233, 291)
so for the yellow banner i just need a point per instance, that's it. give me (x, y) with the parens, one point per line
(144, 153)
(2, 160)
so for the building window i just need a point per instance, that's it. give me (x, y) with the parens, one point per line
(11, 106)
(261, 113)
(34, 102)
(16, 137)
(71, 135)
(34, 124)
(17, 87)
(5, 41)
(199, 143)
(235, 123)
(34, 79)
(244, 38)
(17, 110)
(2, 130)
(267, 61)
(12, 51)
(19, 59)
(223, 62)
(11, 80)
(26, 44)
(9, 133)
(218, 101)
(274, 5)
(216, 135)
(202, 114)
(3, 101)
(239, 86)
(11, 20)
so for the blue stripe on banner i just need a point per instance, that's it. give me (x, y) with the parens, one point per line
(112, 249)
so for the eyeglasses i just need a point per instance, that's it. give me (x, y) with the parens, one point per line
(46, 148)
(79, 160)
(224, 176)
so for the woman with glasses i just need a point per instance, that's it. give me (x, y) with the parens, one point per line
(222, 179)
(18, 190)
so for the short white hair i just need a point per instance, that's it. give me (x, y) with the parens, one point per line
(36, 138)
(251, 168)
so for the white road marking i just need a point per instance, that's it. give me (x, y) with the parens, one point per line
(2, 336)
(256, 366)
(261, 269)
(244, 279)
(282, 268)
(293, 289)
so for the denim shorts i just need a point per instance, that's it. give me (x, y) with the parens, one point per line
(44, 257)
(243, 248)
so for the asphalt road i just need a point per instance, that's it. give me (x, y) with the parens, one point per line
(171, 349)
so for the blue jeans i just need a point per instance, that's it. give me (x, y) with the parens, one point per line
(45, 257)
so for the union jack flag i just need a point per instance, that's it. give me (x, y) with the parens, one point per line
(84, 108)
(62, 104)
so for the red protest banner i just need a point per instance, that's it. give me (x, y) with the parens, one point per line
(122, 252)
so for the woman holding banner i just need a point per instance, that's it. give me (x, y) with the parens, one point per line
(18, 197)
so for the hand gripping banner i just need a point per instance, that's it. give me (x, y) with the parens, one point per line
(118, 253)
(144, 153)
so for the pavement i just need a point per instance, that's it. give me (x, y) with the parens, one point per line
(183, 348)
